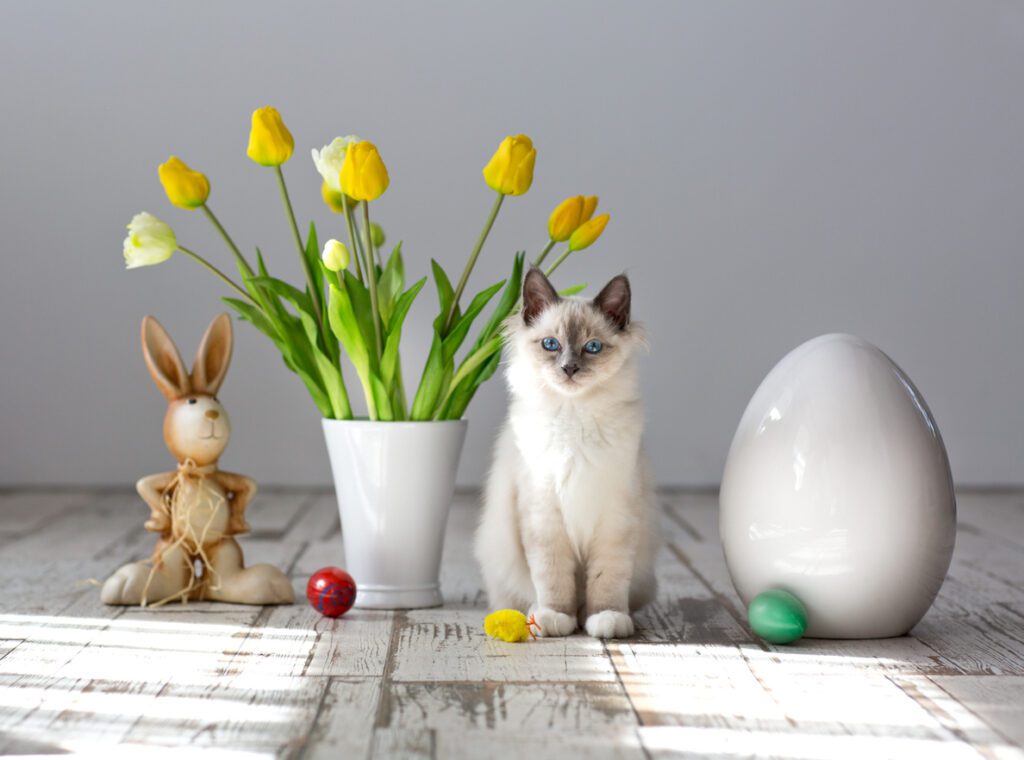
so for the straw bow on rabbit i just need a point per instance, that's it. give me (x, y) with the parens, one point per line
(197, 508)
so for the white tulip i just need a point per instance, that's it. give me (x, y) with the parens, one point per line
(330, 158)
(150, 241)
(335, 255)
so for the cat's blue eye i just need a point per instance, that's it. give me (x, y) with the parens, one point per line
(551, 344)
(593, 346)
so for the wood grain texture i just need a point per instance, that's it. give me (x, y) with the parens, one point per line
(285, 682)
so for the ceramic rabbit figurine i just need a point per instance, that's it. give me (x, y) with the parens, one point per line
(196, 509)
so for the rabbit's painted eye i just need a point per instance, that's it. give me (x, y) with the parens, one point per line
(191, 401)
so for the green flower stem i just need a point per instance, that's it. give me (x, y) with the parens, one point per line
(371, 274)
(352, 237)
(544, 254)
(227, 239)
(313, 289)
(231, 283)
(558, 262)
(472, 261)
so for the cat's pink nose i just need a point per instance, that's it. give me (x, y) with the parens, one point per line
(212, 414)
(570, 369)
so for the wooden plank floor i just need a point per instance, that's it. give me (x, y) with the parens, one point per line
(78, 676)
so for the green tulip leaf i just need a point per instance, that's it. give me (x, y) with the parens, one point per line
(507, 302)
(445, 295)
(430, 383)
(453, 340)
(254, 316)
(346, 327)
(389, 362)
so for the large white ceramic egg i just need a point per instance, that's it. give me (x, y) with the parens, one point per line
(837, 489)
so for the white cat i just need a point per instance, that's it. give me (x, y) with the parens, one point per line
(568, 530)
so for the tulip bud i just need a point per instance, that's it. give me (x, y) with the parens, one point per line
(149, 241)
(569, 215)
(334, 200)
(184, 187)
(363, 174)
(270, 142)
(335, 256)
(377, 236)
(510, 170)
(588, 232)
(330, 158)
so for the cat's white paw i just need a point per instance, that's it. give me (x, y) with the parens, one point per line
(553, 623)
(609, 624)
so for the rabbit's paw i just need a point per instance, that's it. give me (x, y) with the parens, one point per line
(259, 584)
(126, 585)
(553, 623)
(609, 624)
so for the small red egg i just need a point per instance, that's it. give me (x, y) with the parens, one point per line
(331, 591)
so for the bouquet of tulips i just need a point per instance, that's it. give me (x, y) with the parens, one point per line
(355, 300)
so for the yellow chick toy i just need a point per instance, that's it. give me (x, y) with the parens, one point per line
(510, 625)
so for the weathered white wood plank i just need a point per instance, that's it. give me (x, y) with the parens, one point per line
(328, 552)
(989, 570)
(965, 717)
(997, 700)
(272, 513)
(284, 680)
(84, 711)
(450, 645)
(692, 531)
(417, 744)
(297, 641)
(987, 641)
(905, 654)
(141, 645)
(274, 719)
(407, 744)
(692, 683)
(24, 512)
(719, 743)
(345, 725)
(995, 514)
(623, 744)
(508, 707)
(320, 521)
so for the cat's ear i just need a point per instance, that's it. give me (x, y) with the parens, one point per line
(613, 301)
(537, 295)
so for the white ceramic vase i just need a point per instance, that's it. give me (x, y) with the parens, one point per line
(394, 482)
(837, 489)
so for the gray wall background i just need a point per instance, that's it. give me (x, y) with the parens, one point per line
(774, 171)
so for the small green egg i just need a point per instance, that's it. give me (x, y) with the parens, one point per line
(777, 616)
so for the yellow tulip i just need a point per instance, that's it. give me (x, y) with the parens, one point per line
(510, 170)
(270, 142)
(330, 158)
(335, 256)
(334, 201)
(184, 187)
(149, 242)
(588, 232)
(569, 215)
(363, 174)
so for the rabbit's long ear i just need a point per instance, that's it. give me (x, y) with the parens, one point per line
(163, 360)
(213, 356)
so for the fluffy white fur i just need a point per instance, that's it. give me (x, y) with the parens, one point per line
(568, 525)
